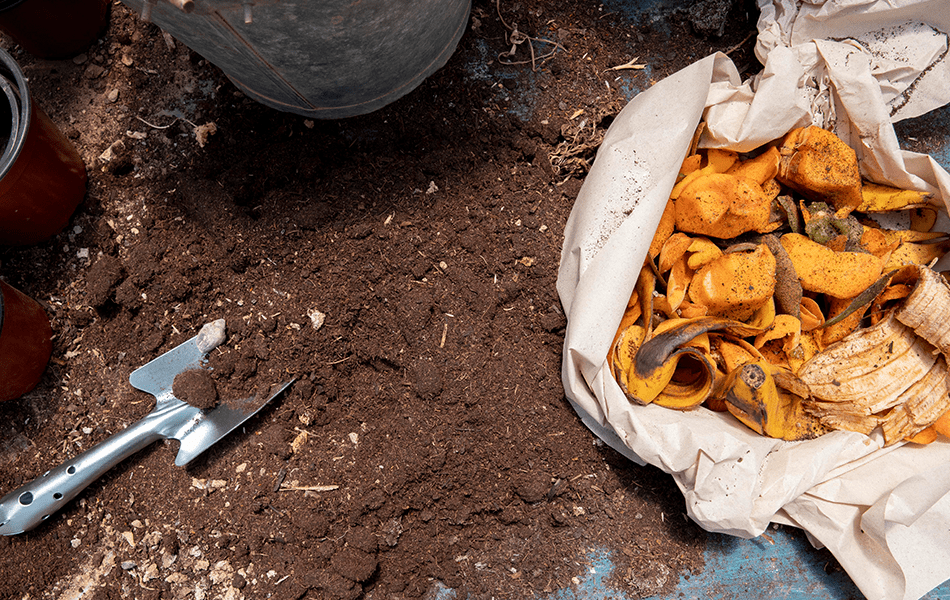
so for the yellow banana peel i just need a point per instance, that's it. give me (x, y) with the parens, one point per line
(910, 253)
(754, 397)
(670, 371)
(876, 198)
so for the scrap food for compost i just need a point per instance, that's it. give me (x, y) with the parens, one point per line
(771, 292)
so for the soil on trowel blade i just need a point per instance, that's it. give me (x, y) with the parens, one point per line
(400, 266)
(196, 387)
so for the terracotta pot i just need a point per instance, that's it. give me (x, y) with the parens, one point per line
(25, 343)
(54, 28)
(42, 177)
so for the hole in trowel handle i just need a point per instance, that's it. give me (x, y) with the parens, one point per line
(26, 498)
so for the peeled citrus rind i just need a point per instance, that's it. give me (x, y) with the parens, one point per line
(824, 271)
(736, 284)
(818, 165)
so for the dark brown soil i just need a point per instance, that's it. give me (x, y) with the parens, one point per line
(196, 387)
(401, 266)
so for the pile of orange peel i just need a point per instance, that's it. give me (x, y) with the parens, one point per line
(771, 292)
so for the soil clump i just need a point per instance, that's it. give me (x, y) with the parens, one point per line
(196, 387)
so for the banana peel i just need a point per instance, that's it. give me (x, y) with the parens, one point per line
(877, 198)
(754, 396)
(843, 417)
(919, 406)
(911, 253)
(893, 374)
(666, 370)
(923, 218)
(897, 236)
(926, 309)
(870, 369)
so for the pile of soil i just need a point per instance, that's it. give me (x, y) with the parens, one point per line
(399, 267)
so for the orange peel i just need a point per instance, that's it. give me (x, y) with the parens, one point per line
(820, 166)
(722, 206)
(736, 284)
(822, 270)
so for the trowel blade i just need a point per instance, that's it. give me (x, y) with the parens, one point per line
(205, 428)
(157, 376)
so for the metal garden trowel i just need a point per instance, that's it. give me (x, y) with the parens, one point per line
(196, 429)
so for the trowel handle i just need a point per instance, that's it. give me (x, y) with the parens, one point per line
(26, 507)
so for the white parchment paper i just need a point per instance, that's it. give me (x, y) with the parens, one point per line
(851, 66)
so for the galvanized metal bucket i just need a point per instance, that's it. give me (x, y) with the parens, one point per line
(326, 59)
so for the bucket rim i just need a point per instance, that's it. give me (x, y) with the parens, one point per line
(11, 72)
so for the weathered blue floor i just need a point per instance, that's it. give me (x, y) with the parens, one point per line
(782, 567)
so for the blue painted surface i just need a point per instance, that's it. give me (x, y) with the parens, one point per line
(652, 12)
(631, 83)
(780, 565)
(592, 584)
(486, 68)
(937, 121)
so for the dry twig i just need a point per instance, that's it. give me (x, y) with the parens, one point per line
(308, 488)
(740, 44)
(632, 64)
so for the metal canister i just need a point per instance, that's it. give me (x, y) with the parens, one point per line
(327, 59)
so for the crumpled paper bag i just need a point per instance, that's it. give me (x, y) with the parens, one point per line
(883, 513)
